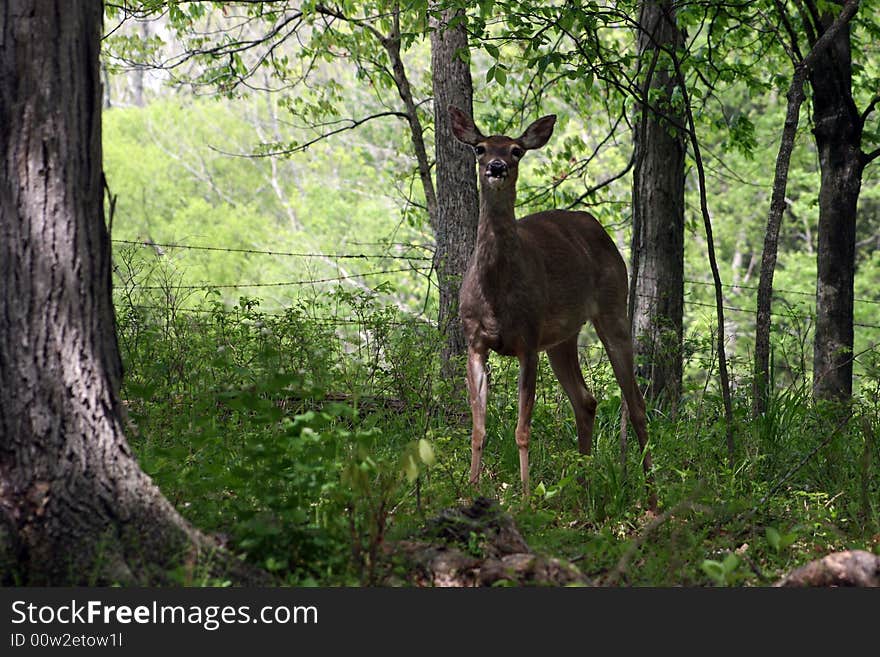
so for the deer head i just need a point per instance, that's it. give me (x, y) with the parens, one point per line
(498, 156)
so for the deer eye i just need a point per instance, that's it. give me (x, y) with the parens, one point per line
(479, 150)
(517, 152)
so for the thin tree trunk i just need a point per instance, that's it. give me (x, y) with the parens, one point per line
(657, 284)
(391, 43)
(139, 73)
(453, 82)
(75, 508)
(453, 242)
(713, 262)
(457, 196)
(762, 383)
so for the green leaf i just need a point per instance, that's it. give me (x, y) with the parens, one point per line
(492, 50)
(274, 565)
(500, 76)
(566, 20)
(426, 452)
(787, 539)
(730, 563)
(410, 468)
(714, 570)
(773, 538)
(588, 80)
(779, 541)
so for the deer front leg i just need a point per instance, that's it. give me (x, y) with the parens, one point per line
(478, 390)
(528, 372)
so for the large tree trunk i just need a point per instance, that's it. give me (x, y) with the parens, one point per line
(657, 288)
(75, 508)
(838, 132)
(457, 197)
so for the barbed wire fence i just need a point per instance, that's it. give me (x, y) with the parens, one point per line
(419, 260)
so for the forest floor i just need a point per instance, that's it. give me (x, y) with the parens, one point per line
(310, 453)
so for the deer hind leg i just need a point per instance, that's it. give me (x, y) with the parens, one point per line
(614, 331)
(567, 368)
(478, 391)
(528, 374)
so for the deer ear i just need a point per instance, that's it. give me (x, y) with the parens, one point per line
(463, 127)
(537, 134)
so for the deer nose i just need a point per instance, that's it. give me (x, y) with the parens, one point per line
(496, 169)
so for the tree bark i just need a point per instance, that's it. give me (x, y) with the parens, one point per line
(75, 508)
(762, 384)
(657, 287)
(838, 133)
(456, 183)
(392, 44)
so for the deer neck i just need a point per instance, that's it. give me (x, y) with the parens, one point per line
(497, 239)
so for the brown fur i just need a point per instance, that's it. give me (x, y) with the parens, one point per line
(530, 286)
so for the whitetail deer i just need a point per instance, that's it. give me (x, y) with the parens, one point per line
(530, 287)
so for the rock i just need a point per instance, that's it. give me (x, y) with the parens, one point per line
(529, 569)
(483, 521)
(478, 545)
(849, 568)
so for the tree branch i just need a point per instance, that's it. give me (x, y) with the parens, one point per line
(324, 10)
(392, 47)
(870, 108)
(595, 188)
(351, 125)
(794, 51)
(713, 263)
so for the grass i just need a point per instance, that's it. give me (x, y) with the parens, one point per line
(308, 444)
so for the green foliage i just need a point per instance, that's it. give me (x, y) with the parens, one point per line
(306, 424)
(174, 186)
(779, 541)
(722, 572)
(310, 445)
(241, 431)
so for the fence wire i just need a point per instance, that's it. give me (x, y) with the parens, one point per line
(415, 269)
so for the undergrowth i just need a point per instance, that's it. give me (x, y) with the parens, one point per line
(307, 443)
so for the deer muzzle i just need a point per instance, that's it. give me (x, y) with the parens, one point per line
(496, 169)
